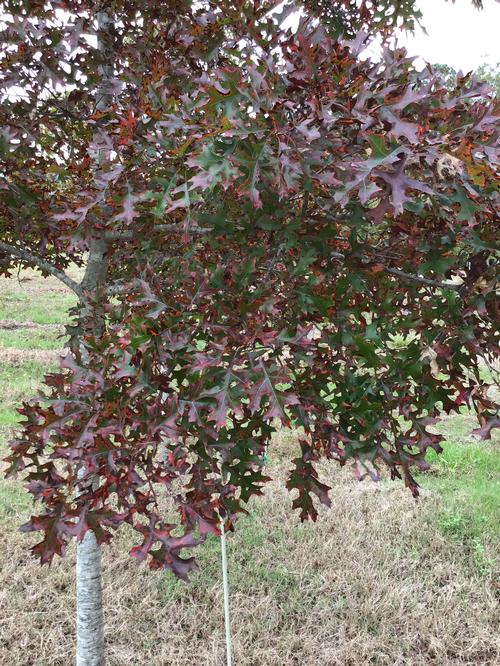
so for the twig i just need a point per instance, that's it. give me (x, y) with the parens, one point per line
(421, 280)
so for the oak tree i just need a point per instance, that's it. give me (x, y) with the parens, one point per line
(278, 231)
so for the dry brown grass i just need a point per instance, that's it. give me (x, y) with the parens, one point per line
(13, 325)
(17, 357)
(373, 582)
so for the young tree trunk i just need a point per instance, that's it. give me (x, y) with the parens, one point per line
(89, 608)
(89, 613)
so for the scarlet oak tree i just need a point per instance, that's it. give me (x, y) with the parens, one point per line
(291, 234)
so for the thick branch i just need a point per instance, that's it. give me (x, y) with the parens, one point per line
(417, 278)
(129, 234)
(406, 276)
(42, 264)
(411, 277)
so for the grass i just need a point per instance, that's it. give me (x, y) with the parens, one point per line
(380, 579)
(13, 500)
(44, 337)
(34, 299)
(467, 479)
(467, 476)
(19, 381)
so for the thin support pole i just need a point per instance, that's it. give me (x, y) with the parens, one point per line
(225, 584)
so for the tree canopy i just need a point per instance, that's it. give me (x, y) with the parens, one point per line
(290, 234)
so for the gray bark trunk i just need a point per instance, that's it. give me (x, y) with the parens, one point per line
(89, 612)
(89, 608)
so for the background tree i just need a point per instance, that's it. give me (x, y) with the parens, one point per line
(491, 74)
(261, 212)
(485, 72)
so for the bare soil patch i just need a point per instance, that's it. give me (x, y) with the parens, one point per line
(16, 357)
(13, 325)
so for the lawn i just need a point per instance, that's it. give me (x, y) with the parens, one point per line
(380, 579)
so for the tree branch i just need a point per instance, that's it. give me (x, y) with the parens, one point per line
(411, 277)
(42, 264)
(406, 276)
(129, 234)
(417, 278)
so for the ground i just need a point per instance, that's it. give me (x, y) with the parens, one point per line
(379, 579)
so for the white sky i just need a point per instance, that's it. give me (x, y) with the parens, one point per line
(458, 34)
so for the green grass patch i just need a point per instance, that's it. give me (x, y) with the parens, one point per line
(32, 300)
(18, 383)
(23, 307)
(32, 338)
(14, 500)
(466, 477)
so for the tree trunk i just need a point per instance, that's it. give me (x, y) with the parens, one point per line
(89, 609)
(89, 613)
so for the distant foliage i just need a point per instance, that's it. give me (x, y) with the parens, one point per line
(490, 74)
(346, 17)
(276, 210)
(485, 72)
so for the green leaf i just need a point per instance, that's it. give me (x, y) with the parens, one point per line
(378, 146)
(366, 350)
(268, 224)
(438, 262)
(467, 207)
